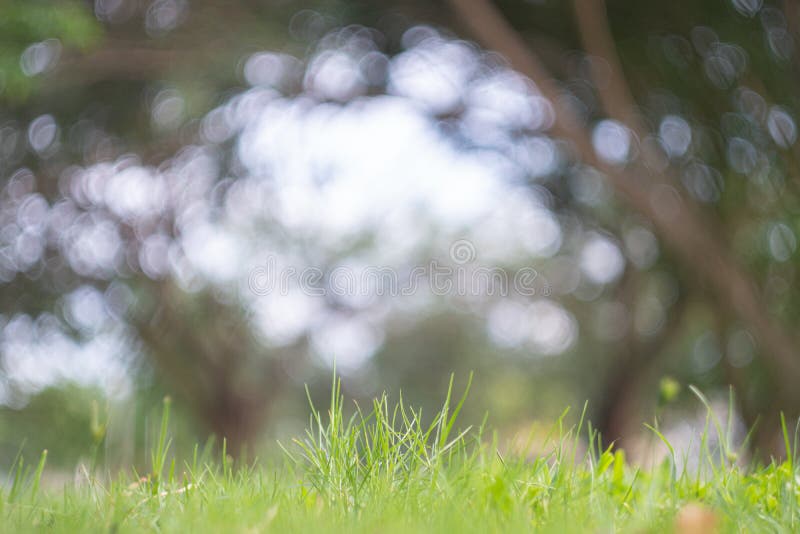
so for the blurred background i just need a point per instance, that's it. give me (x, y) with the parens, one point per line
(163, 161)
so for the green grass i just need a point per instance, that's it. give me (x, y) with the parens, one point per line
(384, 470)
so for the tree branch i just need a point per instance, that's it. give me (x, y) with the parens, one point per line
(615, 96)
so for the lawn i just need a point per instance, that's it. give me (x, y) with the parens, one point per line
(382, 469)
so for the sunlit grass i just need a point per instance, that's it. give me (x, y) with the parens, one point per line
(385, 469)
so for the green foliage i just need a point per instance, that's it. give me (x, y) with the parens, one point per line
(23, 23)
(58, 419)
(668, 390)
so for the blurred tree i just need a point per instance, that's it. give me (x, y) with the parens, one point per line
(686, 113)
(650, 190)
